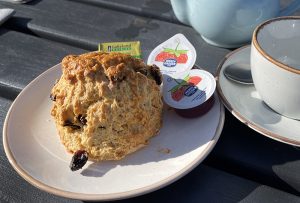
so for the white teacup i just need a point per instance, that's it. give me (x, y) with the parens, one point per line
(275, 64)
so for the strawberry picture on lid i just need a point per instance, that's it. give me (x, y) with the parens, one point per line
(170, 57)
(186, 87)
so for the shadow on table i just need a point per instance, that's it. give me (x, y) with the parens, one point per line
(3, 31)
(205, 184)
(19, 24)
(246, 153)
(33, 2)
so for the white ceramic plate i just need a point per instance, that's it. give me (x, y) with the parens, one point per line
(244, 102)
(33, 148)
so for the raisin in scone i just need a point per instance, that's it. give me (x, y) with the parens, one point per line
(108, 104)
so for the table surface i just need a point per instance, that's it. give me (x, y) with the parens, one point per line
(243, 166)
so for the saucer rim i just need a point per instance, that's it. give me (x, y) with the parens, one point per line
(238, 115)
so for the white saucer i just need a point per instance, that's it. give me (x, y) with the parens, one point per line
(244, 102)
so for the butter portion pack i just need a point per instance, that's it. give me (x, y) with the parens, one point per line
(132, 48)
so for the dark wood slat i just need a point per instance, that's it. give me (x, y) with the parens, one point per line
(24, 57)
(85, 26)
(246, 153)
(8, 91)
(159, 9)
(202, 184)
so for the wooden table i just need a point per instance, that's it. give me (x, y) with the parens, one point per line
(244, 165)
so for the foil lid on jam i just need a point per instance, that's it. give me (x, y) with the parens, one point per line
(188, 89)
(173, 56)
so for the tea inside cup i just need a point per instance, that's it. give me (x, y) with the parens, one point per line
(275, 64)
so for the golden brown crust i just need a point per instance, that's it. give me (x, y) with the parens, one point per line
(107, 104)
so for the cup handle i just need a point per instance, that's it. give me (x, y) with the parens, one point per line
(290, 9)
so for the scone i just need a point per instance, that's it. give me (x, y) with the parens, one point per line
(107, 104)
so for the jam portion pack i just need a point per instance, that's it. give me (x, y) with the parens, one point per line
(175, 55)
(188, 91)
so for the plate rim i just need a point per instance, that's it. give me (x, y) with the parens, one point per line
(104, 197)
(239, 116)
